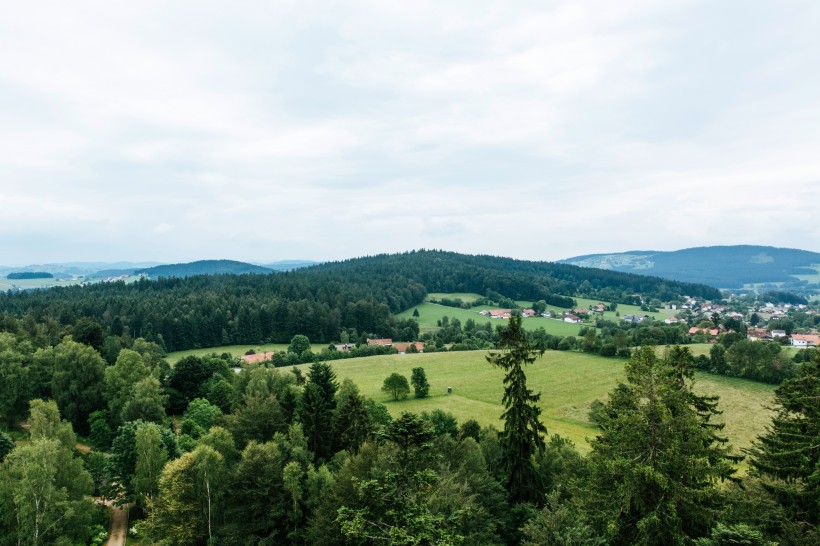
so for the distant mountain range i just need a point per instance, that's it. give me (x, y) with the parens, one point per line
(99, 271)
(731, 267)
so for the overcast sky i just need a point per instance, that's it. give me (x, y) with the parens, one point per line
(259, 131)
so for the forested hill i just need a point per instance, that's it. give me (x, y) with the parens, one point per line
(362, 294)
(718, 266)
(203, 267)
(440, 271)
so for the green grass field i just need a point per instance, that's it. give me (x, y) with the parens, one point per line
(431, 313)
(568, 382)
(233, 350)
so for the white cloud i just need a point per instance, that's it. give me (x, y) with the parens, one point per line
(325, 130)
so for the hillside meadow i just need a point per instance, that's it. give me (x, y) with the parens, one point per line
(569, 382)
(430, 313)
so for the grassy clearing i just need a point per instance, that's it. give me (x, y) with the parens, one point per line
(568, 382)
(233, 350)
(431, 313)
(467, 297)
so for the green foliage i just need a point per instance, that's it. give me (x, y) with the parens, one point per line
(787, 457)
(44, 488)
(77, 382)
(147, 402)
(396, 386)
(100, 434)
(15, 377)
(6, 445)
(654, 469)
(202, 412)
(560, 523)
(316, 409)
(189, 497)
(122, 462)
(443, 422)
(351, 419)
(299, 344)
(758, 361)
(120, 380)
(189, 376)
(150, 460)
(734, 535)
(523, 431)
(421, 388)
(258, 418)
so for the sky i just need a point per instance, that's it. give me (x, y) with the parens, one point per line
(261, 131)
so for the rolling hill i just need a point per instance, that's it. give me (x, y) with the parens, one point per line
(719, 266)
(203, 267)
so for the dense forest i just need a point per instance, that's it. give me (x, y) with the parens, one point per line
(271, 456)
(359, 296)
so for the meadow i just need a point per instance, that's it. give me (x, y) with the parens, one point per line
(234, 350)
(569, 383)
(431, 313)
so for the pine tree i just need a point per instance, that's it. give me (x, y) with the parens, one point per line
(787, 457)
(654, 469)
(523, 433)
(316, 409)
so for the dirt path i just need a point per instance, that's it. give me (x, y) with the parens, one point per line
(119, 525)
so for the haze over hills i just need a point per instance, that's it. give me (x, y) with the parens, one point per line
(719, 266)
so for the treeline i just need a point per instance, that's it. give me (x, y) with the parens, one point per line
(29, 275)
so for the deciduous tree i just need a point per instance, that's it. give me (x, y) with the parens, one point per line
(396, 385)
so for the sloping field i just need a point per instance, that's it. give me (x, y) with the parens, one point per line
(568, 382)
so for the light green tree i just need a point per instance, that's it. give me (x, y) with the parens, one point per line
(151, 458)
(396, 385)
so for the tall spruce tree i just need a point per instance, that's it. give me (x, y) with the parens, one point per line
(316, 409)
(523, 433)
(787, 457)
(655, 466)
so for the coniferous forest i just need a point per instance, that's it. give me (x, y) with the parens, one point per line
(205, 454)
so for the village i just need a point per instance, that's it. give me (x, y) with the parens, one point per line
(785, 323)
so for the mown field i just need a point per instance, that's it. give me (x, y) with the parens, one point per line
(568, 382)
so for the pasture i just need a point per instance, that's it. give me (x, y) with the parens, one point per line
(569, 382)
(431, 313)
(234, 350)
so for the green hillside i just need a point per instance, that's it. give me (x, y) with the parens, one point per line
(569, 383)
